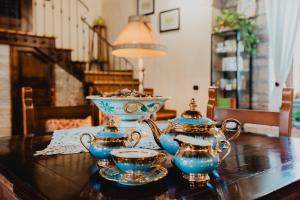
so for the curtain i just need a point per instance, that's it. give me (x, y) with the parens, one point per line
(283, 18)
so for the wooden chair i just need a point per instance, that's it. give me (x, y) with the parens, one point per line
(34, 118)
(282, 119)
(6, 189)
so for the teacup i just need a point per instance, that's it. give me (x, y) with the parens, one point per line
(134, 160)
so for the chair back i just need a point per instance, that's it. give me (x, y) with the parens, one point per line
(282, 119)
(34, 118)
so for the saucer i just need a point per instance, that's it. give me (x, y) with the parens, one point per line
(114, 174)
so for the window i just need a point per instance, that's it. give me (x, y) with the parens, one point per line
(296, 64)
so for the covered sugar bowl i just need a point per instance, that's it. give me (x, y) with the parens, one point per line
(105, 141)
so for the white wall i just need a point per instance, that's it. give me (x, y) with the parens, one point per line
(188, 60)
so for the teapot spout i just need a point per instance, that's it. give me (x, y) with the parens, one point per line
(155, 130)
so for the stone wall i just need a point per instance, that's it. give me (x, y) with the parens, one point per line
(5, 98)
(260, 61)
(68, 90)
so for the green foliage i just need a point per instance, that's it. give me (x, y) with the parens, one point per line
(296, 116)
(233, 20)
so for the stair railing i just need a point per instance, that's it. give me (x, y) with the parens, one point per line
(108, 62)
(91, 44)
(61, 20)
(118, 63)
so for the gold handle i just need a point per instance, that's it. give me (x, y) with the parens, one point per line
(238, 130)
(131, 138)
(160, 158)
(228, 149)
(89, 141)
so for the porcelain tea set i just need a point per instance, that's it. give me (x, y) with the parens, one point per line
(195, 143)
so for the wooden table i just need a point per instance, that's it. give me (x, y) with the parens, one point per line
(258, 166)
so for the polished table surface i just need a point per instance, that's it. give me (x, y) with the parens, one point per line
(258, 166)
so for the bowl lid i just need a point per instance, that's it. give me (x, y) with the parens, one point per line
(111, 131)
(192, 117)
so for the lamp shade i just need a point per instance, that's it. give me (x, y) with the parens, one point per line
(137, 40)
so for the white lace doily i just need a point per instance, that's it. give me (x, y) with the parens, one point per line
(67, 141)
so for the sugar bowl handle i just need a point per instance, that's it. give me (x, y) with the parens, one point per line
(137, 140)
(238, 129)
(91, 137)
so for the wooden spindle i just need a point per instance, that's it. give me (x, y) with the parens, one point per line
(77, 31)
(53, 17)
(35, 16)
(17, 16)
(44, 10)
(83, 42)
(69, 21)
(61, 24)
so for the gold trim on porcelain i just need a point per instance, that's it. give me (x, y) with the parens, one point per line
(150, 159)
(127, 98)
(132, 107)
(105, 163)
(158, 170)
(188, 128)
(203, 178)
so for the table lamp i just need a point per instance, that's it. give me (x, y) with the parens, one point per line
(137, 40)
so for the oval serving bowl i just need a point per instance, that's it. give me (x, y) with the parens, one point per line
(130, 160)
(128, 108)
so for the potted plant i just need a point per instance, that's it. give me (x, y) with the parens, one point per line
(233, 20)
(296, 118)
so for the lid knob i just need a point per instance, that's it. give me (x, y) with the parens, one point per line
(111, 126)
(192, 113)
(193, 105)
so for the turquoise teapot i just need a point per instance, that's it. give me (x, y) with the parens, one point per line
(101, 145)
(192, 123)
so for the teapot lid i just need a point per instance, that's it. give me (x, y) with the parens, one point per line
(111, 131)
(192, 117)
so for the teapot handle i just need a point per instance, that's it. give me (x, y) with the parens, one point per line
(228, 149)
(138, 139)
(89, 140)
(238, 130)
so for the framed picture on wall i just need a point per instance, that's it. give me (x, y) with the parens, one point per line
(169, 20)
(145, 7)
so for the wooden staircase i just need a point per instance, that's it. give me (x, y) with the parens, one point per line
(100, 70)
(104, 81)
(109, 81)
